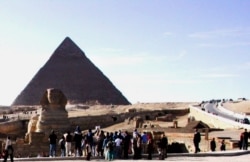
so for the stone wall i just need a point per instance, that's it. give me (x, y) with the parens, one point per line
(16, 127)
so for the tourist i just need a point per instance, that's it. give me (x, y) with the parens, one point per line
(88, 150)
(118, 147)
(196, 140)
(137, 146)
(78, 141)
(90, 140)
(99, 139)
(223, 145)
(150, 146)
(126, 144)
(144, 137)
(52, 144)
(163, 144)
(105, 141)
(8, 150)
(213, 144)
(68, 144)
(241, 140)
(110, 150)
(245, 140)
(62, 145)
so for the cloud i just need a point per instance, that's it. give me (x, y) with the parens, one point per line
(219, 75)
(182, 54)
(113, 57)
(123, 59)
(168, 34)
(220, 45)
(220, 33)
(111, 50)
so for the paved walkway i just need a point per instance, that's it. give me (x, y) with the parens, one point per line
(226, 156)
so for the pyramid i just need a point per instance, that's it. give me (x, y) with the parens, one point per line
(69, 70)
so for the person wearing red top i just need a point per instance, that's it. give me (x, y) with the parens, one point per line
(150, 146)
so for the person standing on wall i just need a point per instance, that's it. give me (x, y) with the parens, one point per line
(196, 140)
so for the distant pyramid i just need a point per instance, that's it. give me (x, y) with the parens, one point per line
(69, 70)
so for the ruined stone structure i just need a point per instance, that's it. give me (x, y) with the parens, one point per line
(69, 70)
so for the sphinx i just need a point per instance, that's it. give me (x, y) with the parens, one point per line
(53, 115)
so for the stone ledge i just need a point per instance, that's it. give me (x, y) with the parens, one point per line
(201, 154)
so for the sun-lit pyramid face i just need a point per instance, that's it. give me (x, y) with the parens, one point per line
(69, 70)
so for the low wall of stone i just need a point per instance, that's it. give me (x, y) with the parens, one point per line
(13, 127)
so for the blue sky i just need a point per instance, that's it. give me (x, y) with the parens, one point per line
(151, 50)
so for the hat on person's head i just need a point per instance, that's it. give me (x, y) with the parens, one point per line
(78, 129)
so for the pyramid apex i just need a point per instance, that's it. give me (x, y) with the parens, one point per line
(68, 47)
(67, 40)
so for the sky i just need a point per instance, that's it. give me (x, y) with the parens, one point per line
(151, 50)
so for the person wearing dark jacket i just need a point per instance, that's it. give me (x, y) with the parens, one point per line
(245, 140)
(212, 145)
(163, 144)
(52, 144)
(126, 143)
(78, 141)
(196, 140)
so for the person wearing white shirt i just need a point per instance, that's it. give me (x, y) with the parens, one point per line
(9, 151)
(118, 147)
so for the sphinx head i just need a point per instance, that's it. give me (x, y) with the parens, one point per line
(53, 97)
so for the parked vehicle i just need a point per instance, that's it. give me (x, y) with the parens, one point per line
(245, 121)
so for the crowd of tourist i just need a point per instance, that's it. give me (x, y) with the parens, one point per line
(108, 145)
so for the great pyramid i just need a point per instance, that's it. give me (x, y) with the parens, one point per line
(69, 70)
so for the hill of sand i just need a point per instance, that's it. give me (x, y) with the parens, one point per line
(238, 106)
